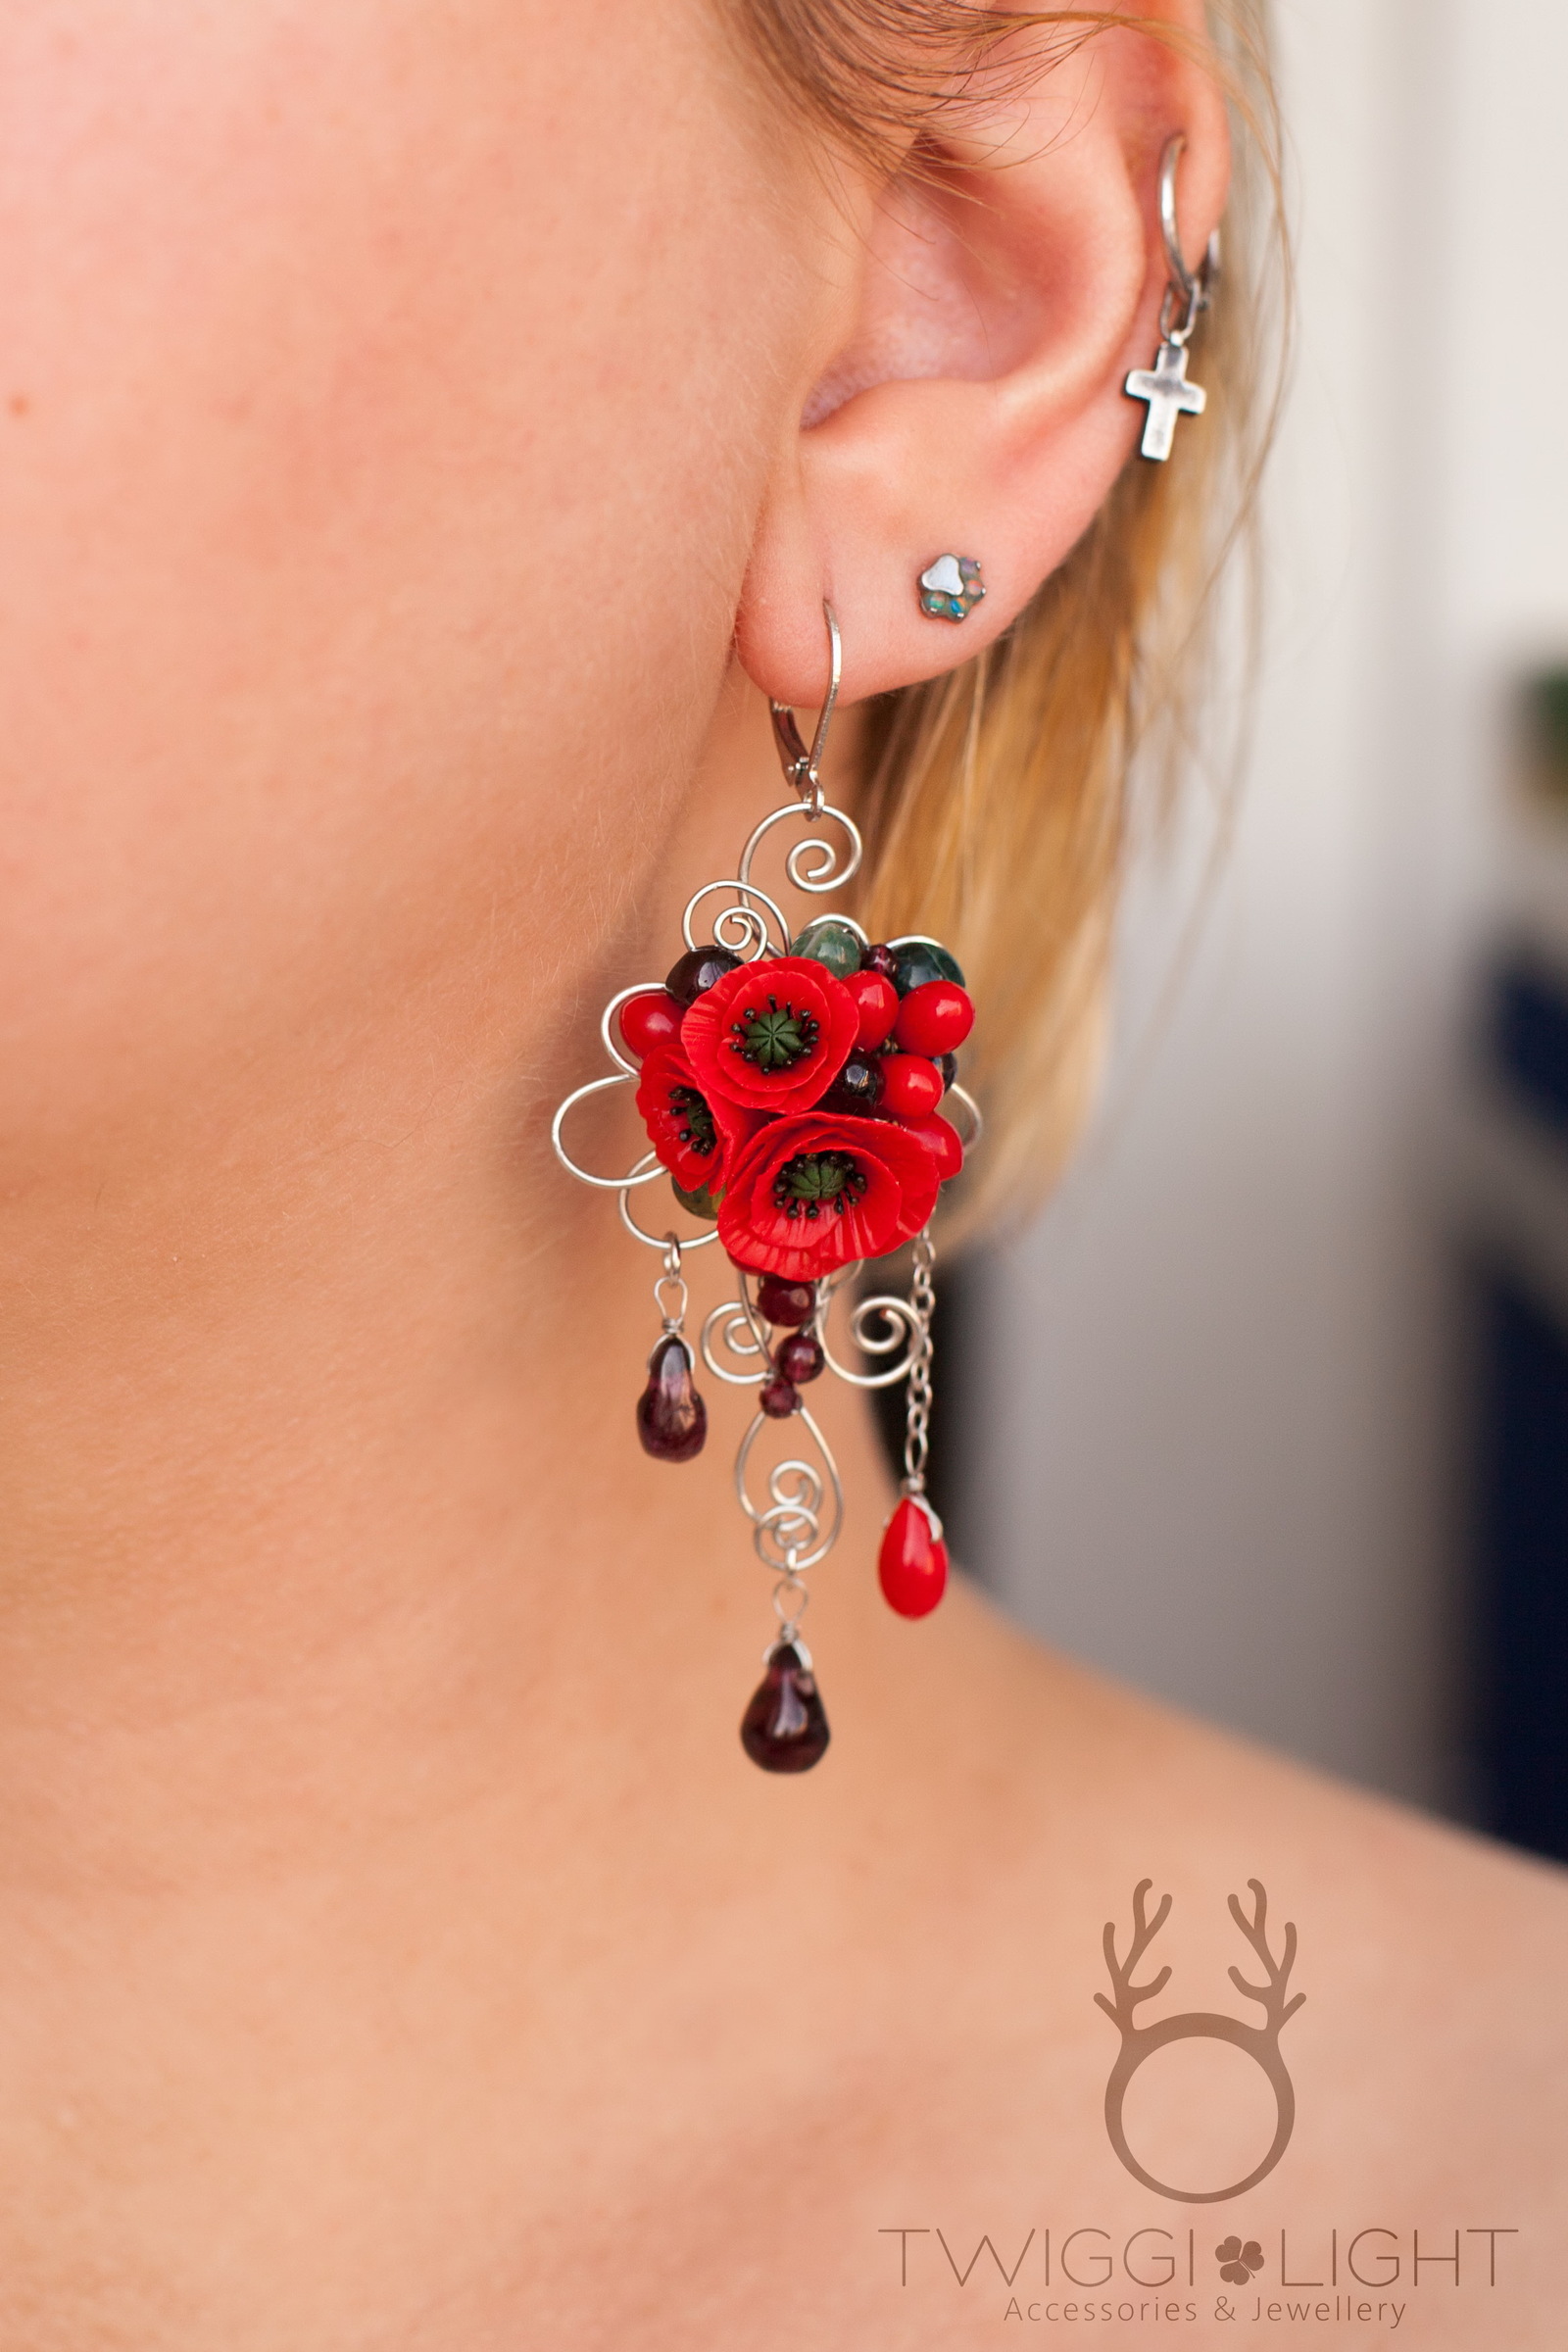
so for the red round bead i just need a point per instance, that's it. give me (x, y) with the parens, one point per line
(779, 1398)
(785, 1302)
(934, 1018)
(913, 1563)
(650, 1021)
(876, 1001)
(800, 1357)
(941, 1138)
(911, 1088)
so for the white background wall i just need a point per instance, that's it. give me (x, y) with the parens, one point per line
(1216, 1437)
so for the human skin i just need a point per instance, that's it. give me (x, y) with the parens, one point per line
(400, 423)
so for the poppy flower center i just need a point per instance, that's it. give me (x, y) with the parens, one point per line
(815, 1180)
(697, 1130)
(775, 1040)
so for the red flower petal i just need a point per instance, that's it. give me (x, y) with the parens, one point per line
(711, 1042)
(900, 1190)
(940, 1139)
(665, 1077)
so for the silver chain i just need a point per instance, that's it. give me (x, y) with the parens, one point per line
(917, 1408)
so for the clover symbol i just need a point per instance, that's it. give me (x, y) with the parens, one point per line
(1237, 2262)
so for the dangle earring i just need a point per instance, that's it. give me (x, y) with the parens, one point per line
(794, 1093)
(1165, 386)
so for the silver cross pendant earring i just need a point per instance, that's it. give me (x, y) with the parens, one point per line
(1165, 386)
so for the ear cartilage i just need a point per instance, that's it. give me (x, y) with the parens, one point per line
(951, 587)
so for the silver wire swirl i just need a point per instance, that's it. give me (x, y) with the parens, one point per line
(741, 929)
(900, 1328)
(640, 988)
(975, 1119)
(641, 1174)
(797, 1492)
(813, 865)
(730, 1325)
(736, 1325)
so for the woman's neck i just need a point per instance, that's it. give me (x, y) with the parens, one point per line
(324, 1507)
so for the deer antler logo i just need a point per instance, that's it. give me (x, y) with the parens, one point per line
(1260, 2043)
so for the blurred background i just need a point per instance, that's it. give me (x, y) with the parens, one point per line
(1269, 1412)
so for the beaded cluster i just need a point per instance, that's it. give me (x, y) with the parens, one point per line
(795, 1094)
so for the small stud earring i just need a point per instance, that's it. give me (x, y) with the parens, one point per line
(951, 587)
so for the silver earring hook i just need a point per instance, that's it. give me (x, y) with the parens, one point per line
(1192, 291)
(803, 767)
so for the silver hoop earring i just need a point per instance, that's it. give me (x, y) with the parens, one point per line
(1165, 386)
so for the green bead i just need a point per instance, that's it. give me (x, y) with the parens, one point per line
(920, 961)
(832, 945)
(701, 1202)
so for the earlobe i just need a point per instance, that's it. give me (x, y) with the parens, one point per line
(1011, 280)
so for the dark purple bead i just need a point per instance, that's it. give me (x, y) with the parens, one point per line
(785, 1302)
(879, 959)
(696, 970)
(779, 1398)
(800, 1357)
(671, 1418)
(857, 1088)
(784, 1729)
(947, 1064)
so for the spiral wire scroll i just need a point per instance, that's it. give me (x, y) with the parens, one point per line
(788, 1532)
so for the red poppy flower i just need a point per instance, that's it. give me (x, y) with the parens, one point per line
(696, 1139)
(772, 1035)
(810, 1194)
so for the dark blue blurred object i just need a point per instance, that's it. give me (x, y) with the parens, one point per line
(1528, 1042)
(1522, 1450)
(1523, 1528)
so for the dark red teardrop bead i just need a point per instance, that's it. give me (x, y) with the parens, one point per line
(671, 1418)
(785, 1302)
(913, 1563)
(800, 1357)
(784, 1729)
(779, 1398)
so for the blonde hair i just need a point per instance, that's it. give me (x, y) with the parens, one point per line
(996, 798)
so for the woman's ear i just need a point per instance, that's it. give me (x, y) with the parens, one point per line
(1009, 279)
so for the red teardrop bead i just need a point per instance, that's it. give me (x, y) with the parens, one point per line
(913, 1563)
(784, 1729)
(671, 1417)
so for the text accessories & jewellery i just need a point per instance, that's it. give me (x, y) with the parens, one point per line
(793, 1093)
(1165, 386)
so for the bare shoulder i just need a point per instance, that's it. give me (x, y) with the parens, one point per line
(1193, 1997)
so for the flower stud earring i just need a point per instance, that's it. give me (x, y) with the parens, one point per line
(798, 1096)
(951, 588)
